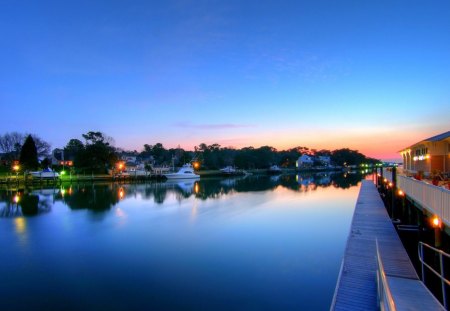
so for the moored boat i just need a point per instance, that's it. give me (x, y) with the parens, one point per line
(229, 170)
(45, 173)
(185, 172)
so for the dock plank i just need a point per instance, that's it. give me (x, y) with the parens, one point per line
(356, 288)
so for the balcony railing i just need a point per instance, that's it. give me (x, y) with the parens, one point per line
(435, 200)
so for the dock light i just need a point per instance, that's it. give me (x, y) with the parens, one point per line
(385, 180)
(390, 184)
(436, 222)
(401, 193)
(196, 165)
(16, 167)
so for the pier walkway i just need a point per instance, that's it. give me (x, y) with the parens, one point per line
(356, 288)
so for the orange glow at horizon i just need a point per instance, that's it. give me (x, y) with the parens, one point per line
(379, 143)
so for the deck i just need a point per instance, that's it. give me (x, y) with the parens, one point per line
(356, 288)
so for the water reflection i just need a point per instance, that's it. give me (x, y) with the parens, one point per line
(102, 197)
(26, 202)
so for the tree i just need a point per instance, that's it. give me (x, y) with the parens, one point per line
(74, 146)
(96, 156)
(11, 143)
(96, 137)
(347, 156)
(28, 154)
(43, 148)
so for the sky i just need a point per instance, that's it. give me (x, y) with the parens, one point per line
(367, 75)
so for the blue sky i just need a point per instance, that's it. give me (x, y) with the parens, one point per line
(369, 75)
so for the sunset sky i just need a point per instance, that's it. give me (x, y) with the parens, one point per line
(368, 75)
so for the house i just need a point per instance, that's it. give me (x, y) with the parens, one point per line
(129, 157)
(304, 161)
(429, 155)
(59, 157)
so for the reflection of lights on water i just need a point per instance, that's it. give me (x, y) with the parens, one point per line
(70, 190)
(16, 198)
(63, 191)
(196, 188)
(20, 224)
(121, 193)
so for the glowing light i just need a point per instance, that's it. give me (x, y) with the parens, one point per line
(436, 222)
(16, 167)
(196, 165)
(63, 191)
(391, 184)
(121, 193)
(385, 180)
(401, 193)
(16, 198)
(63, 172)
(415, 158)
(196, 188)
(427, 156)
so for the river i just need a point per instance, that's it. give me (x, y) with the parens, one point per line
(249, 243)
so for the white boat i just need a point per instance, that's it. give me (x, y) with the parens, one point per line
(185, 172)
(47, 173)
(229, 170)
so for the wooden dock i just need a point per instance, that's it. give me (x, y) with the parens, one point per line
(356, 288)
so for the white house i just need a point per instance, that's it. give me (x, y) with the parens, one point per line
(129, 157)
(304, 161)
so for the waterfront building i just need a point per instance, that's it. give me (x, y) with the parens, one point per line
(431, 155)
(305, 161)
(59, 157)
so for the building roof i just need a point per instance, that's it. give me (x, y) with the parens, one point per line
(439, 137)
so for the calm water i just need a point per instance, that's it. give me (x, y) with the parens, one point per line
(255, 243)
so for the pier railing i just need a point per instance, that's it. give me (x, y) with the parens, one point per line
(385, 299)
(434, 199)
(440, 274)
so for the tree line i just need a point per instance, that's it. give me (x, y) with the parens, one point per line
(96, 152)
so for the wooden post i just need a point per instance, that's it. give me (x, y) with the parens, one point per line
(394, 188)
(437, 237)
